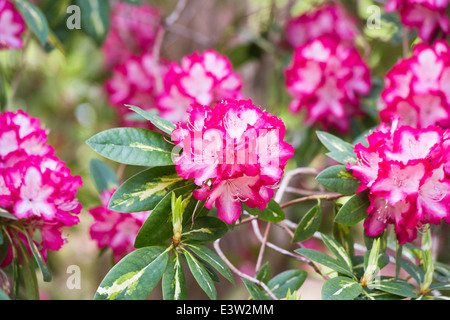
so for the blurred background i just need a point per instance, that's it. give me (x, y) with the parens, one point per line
(64, 87)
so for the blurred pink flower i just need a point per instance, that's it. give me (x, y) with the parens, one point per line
(12, 26)
(115, 230)
(327, 78)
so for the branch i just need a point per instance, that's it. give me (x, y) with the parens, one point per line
(241, 274)
(325, 196)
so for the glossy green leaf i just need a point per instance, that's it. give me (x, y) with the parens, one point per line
(5, 214)
(338, 179)
(162, 124)
(135, 276)
(341, 288)
(46, 275)
(104, 177)
(144, 190)
(28, 273)
(95, 18)
(133, 146)
(413, 270)
(338, 250)
(256, 292)
(173, 281)
(35, 19)
(325, 260)
(354, 210)
(397, 287)
(201, 275)
(205, 230)
(213, 259)
(263, 274)
(272, 213)
(287, 280)
(309, 224)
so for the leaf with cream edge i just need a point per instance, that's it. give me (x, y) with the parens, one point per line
(338, 250)
(144, 190)
(201, 275)
(135, 276)
(174, 282)
(133, 146)
(341, 288)
(162, 124)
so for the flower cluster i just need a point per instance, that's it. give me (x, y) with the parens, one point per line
(417, 89)
(115, 230)
(204, 78)
(407, 174)
(35, 185)
(133, 31)
(428, 16)
(12, 26)
(137, 81)
(235, 152)
(327, 78)
(328, 19)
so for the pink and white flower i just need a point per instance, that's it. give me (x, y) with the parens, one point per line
(235, 152)
(404, 169)
(204, 78)
(133, 31)
(115, 230)
(417, 88)
(35, 185)
(327, 78)
(428, 16)
(12, 26)
(328, 19)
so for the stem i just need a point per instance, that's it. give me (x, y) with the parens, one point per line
(240, 274)
(326, 196)
(263, 246)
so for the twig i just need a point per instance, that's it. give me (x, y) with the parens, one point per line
(263, 246)
(325, 196)
(241, 274)
(287, 178)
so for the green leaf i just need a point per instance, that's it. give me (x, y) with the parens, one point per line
(134, 146)
(46, 275)
(342, 156)
(341, 288)
(205, 230)
(399, 287)
(272, 213)
(344, 236)
(333, 143)
(256, 292)
(413, 270)
(144, 190)
(309, 224)
(135, 276)
(104, 177)
(440, 286)
(160, 123)
(34, 19)
(354, 210)
(134, 2)
(338, 179)
(201, 275)
(263, 274)
(287, 280)
(213, 259)
(173, 281)
(95, 19)
(325, 260)
(5, 214)
(28, 273)
(339, 251)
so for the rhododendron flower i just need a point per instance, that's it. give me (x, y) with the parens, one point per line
(12, 26)
(328, 19)
(327, 78)
(35, 185)
(115, 230)
(133, 31)
(138, 82)
(405, 170)
(428, 16)
(201, 79)
(235, 152)
(417, 88)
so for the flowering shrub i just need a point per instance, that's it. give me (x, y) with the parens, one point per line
(196, 168)
(327, 78)
(416, 88)
(429, 17)
(36, 187)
